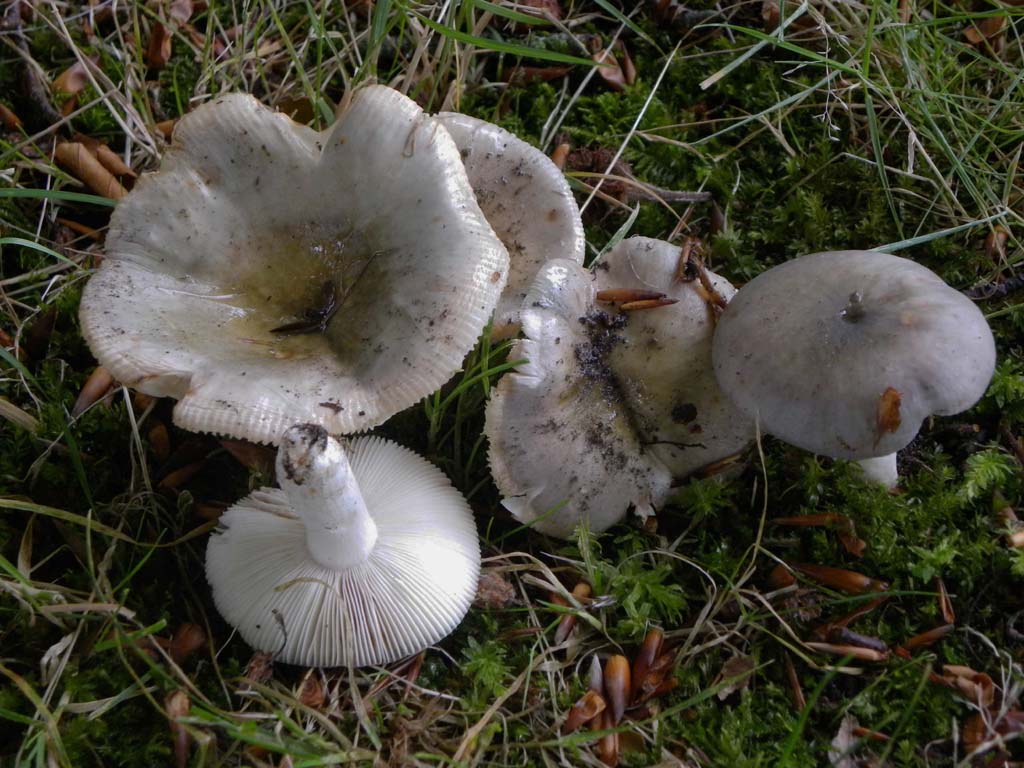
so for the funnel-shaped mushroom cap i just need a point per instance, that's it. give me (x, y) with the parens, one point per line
(845, 353)
(563, 448)
(527, 200)
(269, 274)
(664, 365)
(358, 559)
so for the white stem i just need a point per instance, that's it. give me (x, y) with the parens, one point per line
(881, 469)
(314, 473)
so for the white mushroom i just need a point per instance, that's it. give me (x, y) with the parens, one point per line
(615, 401)
(527, 200)
(845, 353)
(664, 365)
(269, 274)
(563, 448)
(358, 559)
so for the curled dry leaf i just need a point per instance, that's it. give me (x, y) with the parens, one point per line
(887, 413)
(781, 577)
(628, 68)
(87, 169)
(96, 386)
(945, 604)
(312, 692)
(583, 711)
(853, 651)
(608, 746)
(178, 706)
(560, 155)
(649, 651)
(737, 671)
(995, 243)
(181, 11)
(10, 120)
(108, 158)
(608, 66)
(850, 582)
(796, 691)
(925, 639)
(159, 50)
(988, 34)
(260, 668)
(71, 82)
(186, 640)
(617, 685)
(846, 636)
(566, 624)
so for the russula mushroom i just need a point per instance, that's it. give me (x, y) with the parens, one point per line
(615, 400)
(365, 555)
(845, 353)
(269, 274)
(527, 201)
(664, 365)
(562, 447)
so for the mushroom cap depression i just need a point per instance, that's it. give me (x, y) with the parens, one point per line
(845, 353)
(269, 274)
(563, 448)
(411, 590)
(527, 201)
(664, 365)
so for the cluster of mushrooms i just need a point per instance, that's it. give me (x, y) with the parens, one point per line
(291, 287)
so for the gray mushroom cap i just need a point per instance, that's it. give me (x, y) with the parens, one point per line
(365, 240)
(527, 201)
(845, 353)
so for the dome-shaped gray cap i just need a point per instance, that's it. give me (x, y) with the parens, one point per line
(845, 353)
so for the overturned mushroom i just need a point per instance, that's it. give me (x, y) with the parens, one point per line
(618, 396)
(525, 198)
(365, 555)
(563, 449)
(269, 274)
(664, 365)
(845, 353)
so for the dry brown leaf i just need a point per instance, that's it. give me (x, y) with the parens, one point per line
(187, 639)
(96, 386)
(70, 83)
(72, 80)
(180, 10)
(159, 49)
(740, 667)
(617, 685)
(312, 692)
(987, 33)
(887, 413)
(86, 168)
(108, 158)
(583, 711)
(628, 68)
(166, 127)
(609, 69)
(850, 582)
(560, 155)
(10, 120)
(178, 706)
